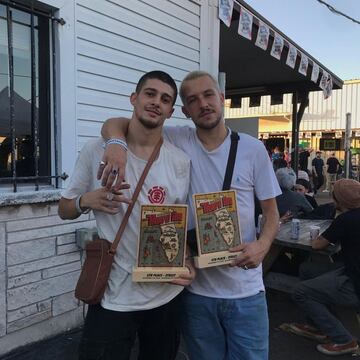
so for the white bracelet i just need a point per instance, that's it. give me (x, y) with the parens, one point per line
(117, 142)
(78, 207)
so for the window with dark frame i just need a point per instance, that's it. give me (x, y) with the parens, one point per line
(26, 137)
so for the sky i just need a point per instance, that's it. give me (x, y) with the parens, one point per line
(332, 39)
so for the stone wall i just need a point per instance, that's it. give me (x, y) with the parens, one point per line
(39, 266)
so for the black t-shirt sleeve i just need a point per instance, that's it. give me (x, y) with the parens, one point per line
(335, 232)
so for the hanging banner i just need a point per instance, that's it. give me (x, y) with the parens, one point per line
(323, 80)
(318, 134)
(245, 23)
(326, 84)
(277, 46)
(262, 39)
(304, 62)
(291, 57)
(225, 11)
(328, 87)
(315, 73)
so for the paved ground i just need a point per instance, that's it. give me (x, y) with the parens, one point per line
(283, 346)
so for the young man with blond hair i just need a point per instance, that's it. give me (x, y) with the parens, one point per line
(224, 310)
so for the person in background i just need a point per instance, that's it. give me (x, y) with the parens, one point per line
(304, 158)
(302, 186)
(318, 171)
(279, 163)
(289, 200)
(330, 284)
(276, 154)
(287, 156)
(224, 310)
(332, 168)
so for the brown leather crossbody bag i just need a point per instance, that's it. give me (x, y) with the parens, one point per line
(100, 253)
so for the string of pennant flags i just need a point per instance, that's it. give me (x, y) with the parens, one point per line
(246, 20)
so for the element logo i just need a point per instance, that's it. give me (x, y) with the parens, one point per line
(156, 195)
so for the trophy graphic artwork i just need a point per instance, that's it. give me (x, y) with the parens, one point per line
(217, 228)
(162, 243)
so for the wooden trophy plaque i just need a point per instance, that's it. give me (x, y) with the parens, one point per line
(162, 243)
(217, 228)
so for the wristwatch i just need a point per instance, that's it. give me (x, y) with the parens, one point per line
(78, 207)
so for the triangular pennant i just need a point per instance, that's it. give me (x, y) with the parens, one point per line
(225, 11)
(277, 47)
(291, 57)
(262, 39)
(245, 23)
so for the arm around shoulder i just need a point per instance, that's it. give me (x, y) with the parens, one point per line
(115, 128)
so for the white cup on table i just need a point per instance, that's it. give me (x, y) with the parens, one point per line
(314, 232)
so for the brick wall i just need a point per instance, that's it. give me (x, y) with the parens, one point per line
(39, 266)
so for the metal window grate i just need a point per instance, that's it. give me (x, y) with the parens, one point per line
(38, 166)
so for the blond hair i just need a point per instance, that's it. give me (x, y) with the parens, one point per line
(195, 75)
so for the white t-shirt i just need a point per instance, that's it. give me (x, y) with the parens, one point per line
(253, 171)
(166, 183)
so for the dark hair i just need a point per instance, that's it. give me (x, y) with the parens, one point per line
(304, 183)
(159, 75)
(279, 163)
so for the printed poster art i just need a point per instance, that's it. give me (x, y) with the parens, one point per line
(326, 84)
(245, 24)
(315, 73)
(277, 46)
(304, 62)
(291, 57)
(262, 39)
(162, 236)
(217, 221)
(225, 11)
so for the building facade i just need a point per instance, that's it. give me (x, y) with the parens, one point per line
(66, 66)
(322, 126)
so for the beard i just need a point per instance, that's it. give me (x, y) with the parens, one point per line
(210, 124)
(149, 124)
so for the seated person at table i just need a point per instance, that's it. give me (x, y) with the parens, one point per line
(302, 186)
(290, 200)
(334, 283)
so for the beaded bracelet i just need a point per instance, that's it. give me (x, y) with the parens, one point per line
(118, 142)
(78, 207)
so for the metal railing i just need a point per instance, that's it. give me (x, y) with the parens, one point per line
(49, 93)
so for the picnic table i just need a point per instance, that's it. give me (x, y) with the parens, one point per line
(283, 240)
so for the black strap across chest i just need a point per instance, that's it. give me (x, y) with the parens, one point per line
(231, 160)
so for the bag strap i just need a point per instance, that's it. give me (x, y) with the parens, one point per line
(125, 219)
(231, 160)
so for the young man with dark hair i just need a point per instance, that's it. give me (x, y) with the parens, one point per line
(148, 310)
(224, 310)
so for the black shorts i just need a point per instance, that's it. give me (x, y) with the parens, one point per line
(110, 335)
